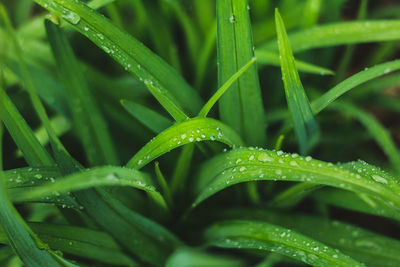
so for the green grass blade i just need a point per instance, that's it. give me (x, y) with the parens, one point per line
(149, 117)
(126, 50)
(350, 201)
(294, 194)
(96, 177)
(305, 126)
(340, 34)
(163, 185)
(167, 101)
(24, 242)
(365, 246)
(241, 107)
(34, 153)
(81, 242)
(218, 94)
(88, 119)
(256, 235)
(185, 257)
(248, 164)
(355, 80)
(312, 10)
(376, 130)
(265, 57)
(182, 168)
(193, 130)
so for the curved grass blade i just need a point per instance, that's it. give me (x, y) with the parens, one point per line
(129, 52)
(294, 194)
(365, 246)
(340, 34)
(88, 119)
(193, 130)
(265, 57)
(96, 177)
(305, 126)
(264, 236)
(355, 80)
(241, 107)
(150, 118)
(81, 242)
(249, 164)
(376, 130)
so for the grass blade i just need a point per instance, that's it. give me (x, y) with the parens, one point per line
(150, 118)
(265, 57)
(241, 107)
(264, 236)
(248, 164)
(88, 119)
(305, 126)
(126, 50)
(340, 34)
(350, 83)
(193, 130)
(218, 94)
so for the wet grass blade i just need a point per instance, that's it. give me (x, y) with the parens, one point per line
(257, 235)
(241, 107)
(249, 164)
(193, 130)
(126, 50)
(305, 126)
(95, 177)
(88, 120)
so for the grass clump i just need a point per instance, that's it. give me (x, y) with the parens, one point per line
(116, 151)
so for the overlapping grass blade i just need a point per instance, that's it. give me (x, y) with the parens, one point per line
(265, 57)
(88, 119)
(305, 126)
(249, 164)
(126, 50)
(340, 34)
(149, 117)
(312, 10)
(193, 130)
(240, 234)
(241, 107)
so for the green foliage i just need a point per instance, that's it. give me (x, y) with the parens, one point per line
(143, 88)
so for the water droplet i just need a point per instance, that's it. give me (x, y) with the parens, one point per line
(86, 28)
(242, 169)
(386, 71)
(238, 160)
(232, 19)
(183, 136)
(308, 158)
(191, 139)
(38, 176)
(264, 158)
(70, 16)
(101, 37)
(251, 157)
(379, 179)
(294, 163)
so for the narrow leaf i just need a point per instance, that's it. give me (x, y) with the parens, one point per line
(305, 126)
